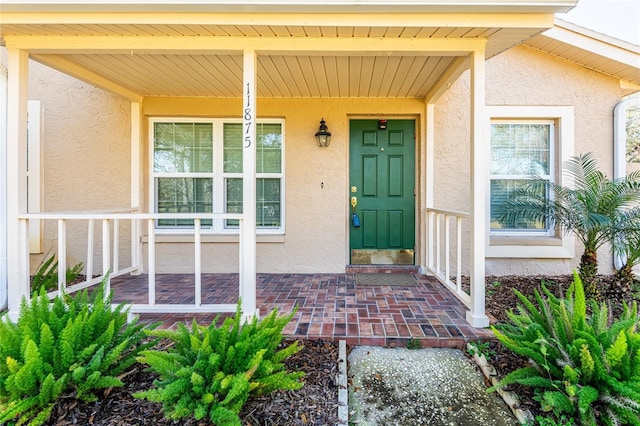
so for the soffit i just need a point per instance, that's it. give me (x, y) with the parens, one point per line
(591, 50)
(282, 72)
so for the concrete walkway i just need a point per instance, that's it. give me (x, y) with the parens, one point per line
(436, 387)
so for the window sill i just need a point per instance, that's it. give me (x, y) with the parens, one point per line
(531, 247)
(218, 238)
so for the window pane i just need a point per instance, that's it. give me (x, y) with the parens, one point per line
(183, 147)
(233, 199)
(500, 190)
(267, 201)
(269, 148)
(184, 195)
(232, 136)
(520, 149)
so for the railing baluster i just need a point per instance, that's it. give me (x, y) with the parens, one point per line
(105, 257)
(90, 242)
(447, 253)
(24, 281)
(116, 246)
(151, 227)
(438, 246)
(459, 254)
(62, 255)
(198, 260)
(430, 216)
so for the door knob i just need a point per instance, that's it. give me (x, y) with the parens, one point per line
(354, 202)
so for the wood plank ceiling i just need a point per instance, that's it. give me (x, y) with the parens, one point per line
(279, 75)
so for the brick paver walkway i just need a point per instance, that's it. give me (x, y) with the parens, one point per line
(330, 306)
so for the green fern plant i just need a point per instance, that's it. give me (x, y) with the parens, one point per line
(585, 366)
(47, 275)
(210, 371)
(73, 345)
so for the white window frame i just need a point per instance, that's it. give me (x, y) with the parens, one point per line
(218, 175)
(533, 244)
(551, 177)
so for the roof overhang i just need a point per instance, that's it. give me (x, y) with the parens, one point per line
(331, 48)
(592, 50)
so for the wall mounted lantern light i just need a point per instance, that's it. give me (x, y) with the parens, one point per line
(323, 136)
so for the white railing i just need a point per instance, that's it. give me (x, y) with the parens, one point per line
(111, 242)
(444, 249)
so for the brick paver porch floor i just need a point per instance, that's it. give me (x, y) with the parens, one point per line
(330, 306)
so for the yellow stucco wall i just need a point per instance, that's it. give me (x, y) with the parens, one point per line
(86, 157)
(316, 180)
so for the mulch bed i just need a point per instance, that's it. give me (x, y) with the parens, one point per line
(314, 404)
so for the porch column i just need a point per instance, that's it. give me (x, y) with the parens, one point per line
(136, 187)
(248, 243)
(430, 124)
(17, 237)
(479, 162)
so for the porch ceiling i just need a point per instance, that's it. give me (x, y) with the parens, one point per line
(299, 55)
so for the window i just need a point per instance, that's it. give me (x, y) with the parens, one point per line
(197, 168)
(514, 158)
(519, 150)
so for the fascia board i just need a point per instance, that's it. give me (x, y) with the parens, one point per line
(309, 6)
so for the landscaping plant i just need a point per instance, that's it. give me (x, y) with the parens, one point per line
(73, 344)
(589, 206)
(209, 372)
(625, 237)
(47, 275)
(583, 366)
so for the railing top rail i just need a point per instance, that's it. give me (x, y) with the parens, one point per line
(449, 212)
(101, 216)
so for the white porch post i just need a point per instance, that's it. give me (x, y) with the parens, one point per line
(430, 124)
(136, 187)
(17, 238)
(479, 161)
(248, 256)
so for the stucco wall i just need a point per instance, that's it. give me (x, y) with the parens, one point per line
(523, 76)
(86, 156)
(316, 179)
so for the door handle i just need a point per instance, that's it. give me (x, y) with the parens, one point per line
(354, 202)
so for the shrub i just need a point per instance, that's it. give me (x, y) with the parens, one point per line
(210, 371)
(47, 275)
(584, 366)
(74, 344)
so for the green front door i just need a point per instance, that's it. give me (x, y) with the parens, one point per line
(382, 180)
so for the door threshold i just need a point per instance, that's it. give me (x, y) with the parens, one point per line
(382, 269)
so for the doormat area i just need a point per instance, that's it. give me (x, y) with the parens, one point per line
(402, 280)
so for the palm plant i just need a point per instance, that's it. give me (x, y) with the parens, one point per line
(625, 237)
(588, 207)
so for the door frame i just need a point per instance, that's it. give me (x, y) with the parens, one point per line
(420, 175)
